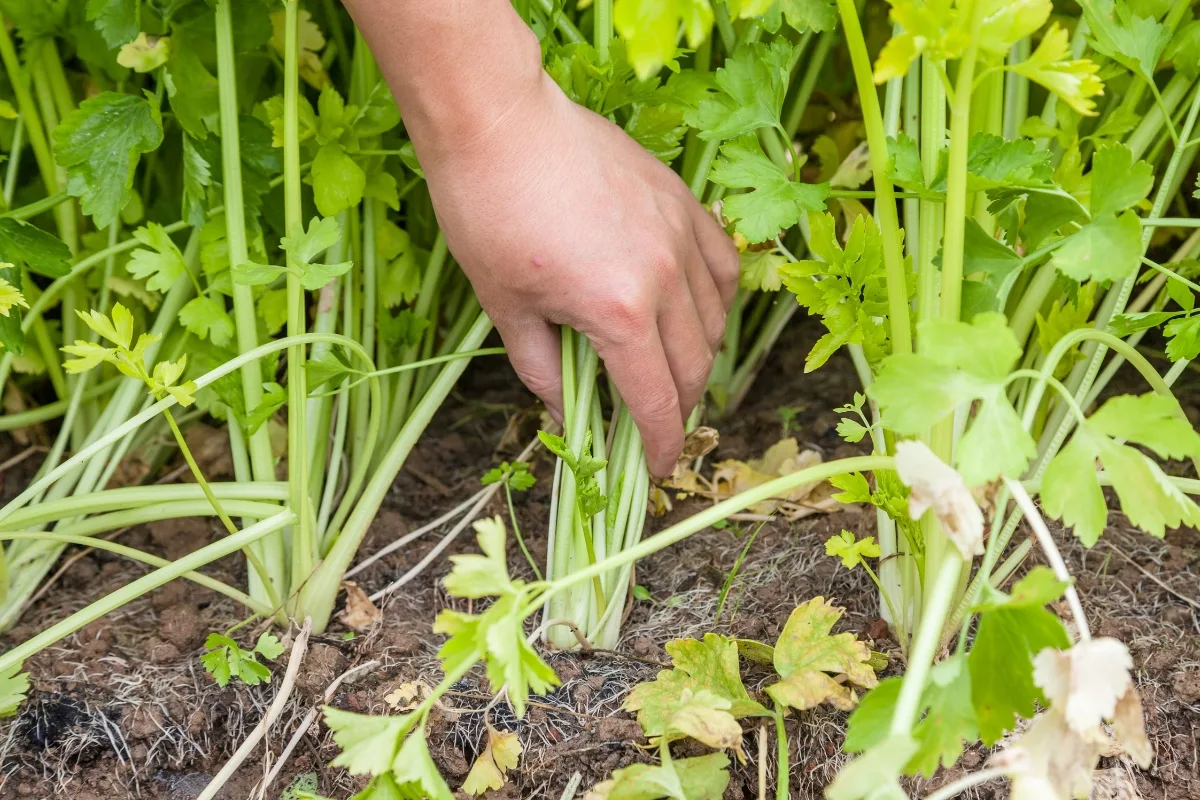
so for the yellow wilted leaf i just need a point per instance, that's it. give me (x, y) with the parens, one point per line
(10, 295)
(146, 53)
(360, 613)
(406, 696)
(311, 42)
(501, 754)
(732, 477)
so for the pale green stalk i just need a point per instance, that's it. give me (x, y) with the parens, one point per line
(16, 656)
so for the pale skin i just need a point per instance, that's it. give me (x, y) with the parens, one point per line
(555, 214)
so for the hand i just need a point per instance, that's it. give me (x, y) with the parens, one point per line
(558, 217)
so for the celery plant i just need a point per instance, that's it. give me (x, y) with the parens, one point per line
(299, 202)
(1036, 172)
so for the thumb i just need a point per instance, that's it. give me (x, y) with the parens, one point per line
(534, 350)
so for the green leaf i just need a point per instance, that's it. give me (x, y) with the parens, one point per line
(851, 430)
(197, 177)
(659, 129)
(1152, 420)
(415, 773)
(650, 28)
(1071, 490)
(752, 87)
(1127, 324)
(475, 576)
(698, 778)
(871, 719)
(1183, 338)
(100, 144)
(852, 552)
(774, 202)
(369, 743)
(810, 15)
(998, 264)
(1109, 248)
(760, 270)
(338, 181)
(711, 664)
(115, 19)
(252, 274)
(904, 163)
(947, 718)
(23, 243)
(995, 444)
(269, 646)
(1074, 81)
(162, 264)
(14, 685)
(329, 366)
(874, 775)
(192, 90)
(1012, 630)
(558, 446)
(207, 318)
(320, 236)
(1134, 41)
(959, 361)
(1117, 182)
(806, 652)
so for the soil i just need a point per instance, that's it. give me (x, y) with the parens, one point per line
(124, 709)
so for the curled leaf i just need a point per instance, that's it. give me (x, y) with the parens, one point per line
(936, 485)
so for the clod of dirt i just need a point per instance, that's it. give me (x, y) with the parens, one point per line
(614, 729)
(182, 626)
(95, 639)
(158, 651)
(142, 722)
(1187, 686)
(400, 643)
(178, 537)
(210, 448)
(323, 663)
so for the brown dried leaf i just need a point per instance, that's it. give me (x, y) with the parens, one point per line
(1129, 725)
(699, 443)
(360, 613)
(732, 477)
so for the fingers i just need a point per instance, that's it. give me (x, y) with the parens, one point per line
(706, 297)
(719, 254)
(686, 345)
(533, 349)
(634, 356)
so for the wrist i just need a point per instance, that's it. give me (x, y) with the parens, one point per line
(452, 111)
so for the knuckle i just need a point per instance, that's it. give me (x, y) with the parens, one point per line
(660, 406)
(625, 315)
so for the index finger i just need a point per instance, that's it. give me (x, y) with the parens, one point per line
(639, 369)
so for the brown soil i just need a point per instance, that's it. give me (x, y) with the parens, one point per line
(124, 709)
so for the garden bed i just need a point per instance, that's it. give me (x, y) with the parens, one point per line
(124, 708)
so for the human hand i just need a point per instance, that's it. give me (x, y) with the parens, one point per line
(558, 217)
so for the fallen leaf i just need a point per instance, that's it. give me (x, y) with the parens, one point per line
(698, 443)
(406, 696)
(360, 613)
(731, 477)
(498, 757)
(705, 717)
(808, 657)
(934, 484)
